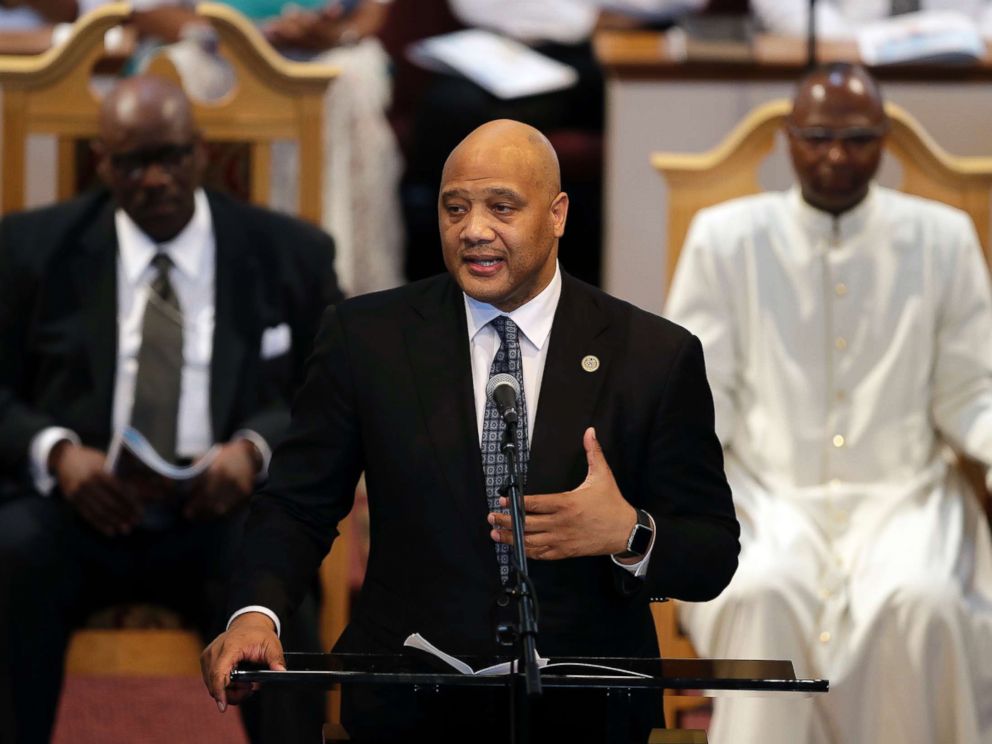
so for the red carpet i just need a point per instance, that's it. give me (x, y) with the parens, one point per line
(142, 710)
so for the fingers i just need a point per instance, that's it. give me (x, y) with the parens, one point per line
(594, 453)
(224, 485)
(545, 503)
(221, 656)
(216, 670)
(540, 546)
(533, 523)
(106, 508)
(247, 643)
(212, 500)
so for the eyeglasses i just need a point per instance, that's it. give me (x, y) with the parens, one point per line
(132, 165)
(852, 137)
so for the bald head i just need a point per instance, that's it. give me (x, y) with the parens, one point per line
(839, 84)
(149, 154)
(501, 212)
(145, 102)
(836, 132)
(513, 141)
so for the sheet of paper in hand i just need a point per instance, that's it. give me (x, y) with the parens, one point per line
(131, 456)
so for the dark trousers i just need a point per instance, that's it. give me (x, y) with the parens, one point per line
(55, 569)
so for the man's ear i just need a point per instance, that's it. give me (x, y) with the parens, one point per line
(102, 159)
(559, 213)
(199, 157)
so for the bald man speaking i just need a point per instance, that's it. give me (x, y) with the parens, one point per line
(624, 486)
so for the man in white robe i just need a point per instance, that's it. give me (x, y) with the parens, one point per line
(848, 338)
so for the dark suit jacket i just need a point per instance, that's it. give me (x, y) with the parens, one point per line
(58, 319)
(389, 391)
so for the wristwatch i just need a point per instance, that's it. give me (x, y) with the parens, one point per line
(640, 537)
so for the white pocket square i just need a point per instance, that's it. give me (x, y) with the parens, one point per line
(276, 340)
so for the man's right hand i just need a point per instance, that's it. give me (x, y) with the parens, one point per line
(99, 497)
(251, 637)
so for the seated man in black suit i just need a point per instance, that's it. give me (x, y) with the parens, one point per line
(626, 496)
(157, 304)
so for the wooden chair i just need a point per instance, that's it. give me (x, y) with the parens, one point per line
(273, 99)
(731, 169)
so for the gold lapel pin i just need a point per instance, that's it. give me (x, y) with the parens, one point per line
(590, 363)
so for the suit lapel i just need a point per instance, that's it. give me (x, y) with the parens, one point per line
(234, 303)
(569, 393)
(438, 349)
(95, 274)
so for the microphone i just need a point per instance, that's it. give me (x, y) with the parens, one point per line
(811, 37)
(503, 389)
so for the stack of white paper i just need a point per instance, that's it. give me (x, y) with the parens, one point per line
(504, 67)
(927, 36)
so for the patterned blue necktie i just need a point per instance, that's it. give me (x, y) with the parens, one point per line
(494, 462)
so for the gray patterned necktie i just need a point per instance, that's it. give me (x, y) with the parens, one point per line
(494, 463)
(160, 364)
(899, 7)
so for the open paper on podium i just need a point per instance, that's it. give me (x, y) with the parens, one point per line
(927, 36)
(132, 455)
(432, 652)
(504, 67)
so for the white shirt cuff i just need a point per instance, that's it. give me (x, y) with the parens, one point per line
(640, 568)
(256, 608)
(263, 449)
(38, 452)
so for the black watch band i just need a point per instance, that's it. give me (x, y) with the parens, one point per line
(640, 537)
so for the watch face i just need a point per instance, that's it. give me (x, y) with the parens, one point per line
(640, 539)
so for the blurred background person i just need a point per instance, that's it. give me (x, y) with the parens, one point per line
(847, 332)
(363, 164)
(179, 311)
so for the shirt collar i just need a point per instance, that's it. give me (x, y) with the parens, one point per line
(186, 250)
(533, 318)
(823, 224)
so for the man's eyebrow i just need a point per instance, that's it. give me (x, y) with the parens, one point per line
(505, 192)
(499, 191)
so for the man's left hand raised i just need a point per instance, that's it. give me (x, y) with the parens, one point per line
(593, 519)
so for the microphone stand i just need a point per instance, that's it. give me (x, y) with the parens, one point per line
(811, 37)
(520, 588)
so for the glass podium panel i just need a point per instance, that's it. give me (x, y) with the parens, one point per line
(714, 677)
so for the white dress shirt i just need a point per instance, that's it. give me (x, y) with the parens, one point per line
(193, 254)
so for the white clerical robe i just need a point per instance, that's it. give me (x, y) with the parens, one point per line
(843, 353)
